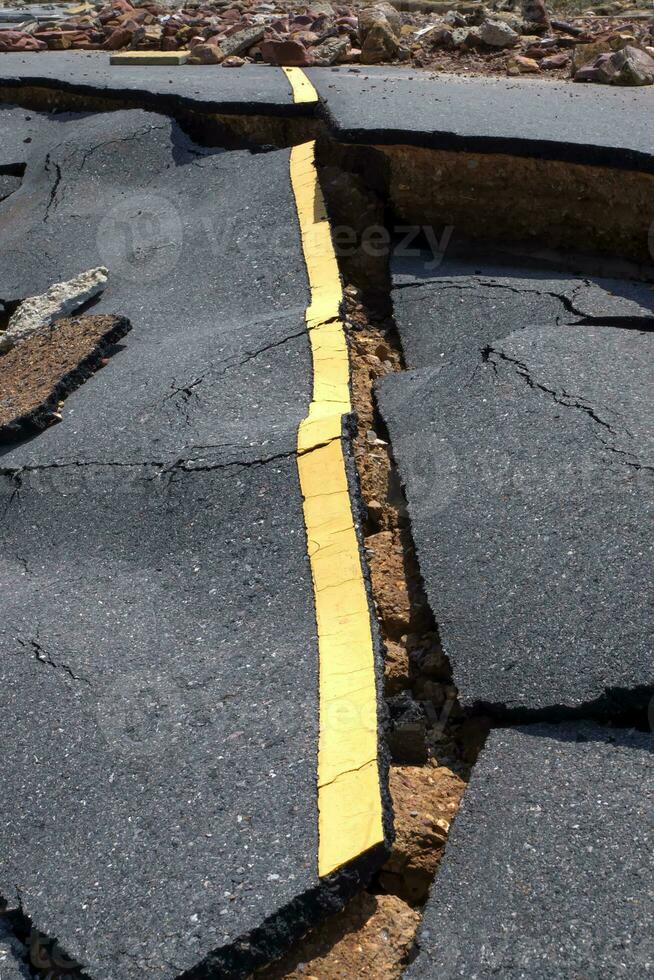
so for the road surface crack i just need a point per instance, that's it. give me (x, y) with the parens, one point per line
(561, 398)
(345, 772)
(45, 658)
(52, 202)
(124, 139)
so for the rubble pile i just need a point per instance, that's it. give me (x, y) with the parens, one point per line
(613, 47)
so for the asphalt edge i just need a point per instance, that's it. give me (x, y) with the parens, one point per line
(307, 107)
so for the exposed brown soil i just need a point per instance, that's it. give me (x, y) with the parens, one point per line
(497, 197)
(425, 799)
(40, 371)
(373, 935)
(369, 938)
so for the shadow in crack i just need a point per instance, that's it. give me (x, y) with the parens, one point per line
(11, 177)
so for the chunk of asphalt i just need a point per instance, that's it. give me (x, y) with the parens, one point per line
(530, 487)
(257, 90)
(492, 115)
(549, 867)
(451, 313)
(62, 298)
(158, 689)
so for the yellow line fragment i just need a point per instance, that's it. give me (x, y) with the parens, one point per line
(145, 58)
(303, 90)
(349, 795)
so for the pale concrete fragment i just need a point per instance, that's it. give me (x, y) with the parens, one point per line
(60, 300)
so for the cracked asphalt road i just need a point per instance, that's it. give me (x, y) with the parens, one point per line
(159, 674)
(548, 872)
(527, 455)
(159, 667)
(204, 262)
(523, 435)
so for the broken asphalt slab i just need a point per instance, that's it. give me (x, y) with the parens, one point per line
(249, 91)
(528, 465)
(159, 688)
(204, 260)
(516, 116)
(548, 870)
(450, 313)
(159, 685)
(580, 124)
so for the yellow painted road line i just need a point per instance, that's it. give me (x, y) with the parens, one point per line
(303, 90)
(349, 795)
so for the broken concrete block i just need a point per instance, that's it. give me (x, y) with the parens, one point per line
(628, 66)
(62, 299)
(497, 34)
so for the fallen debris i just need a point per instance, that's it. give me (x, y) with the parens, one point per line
(61, 299)
(38, 373)
(457, 36)
(627, 66)
(497, 34)
(379, 31)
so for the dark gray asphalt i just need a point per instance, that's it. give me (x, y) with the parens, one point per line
(548, 871)
(451, 313)
(528, 463)
(204, 260)
(589, 124)
(158, 700)
(158, 678)
(248, 91)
